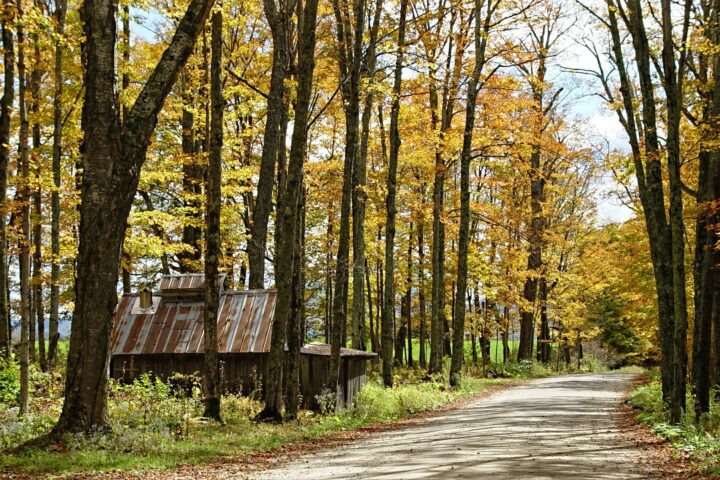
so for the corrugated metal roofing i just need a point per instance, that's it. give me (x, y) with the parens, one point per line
(177, 327)
(186, 283)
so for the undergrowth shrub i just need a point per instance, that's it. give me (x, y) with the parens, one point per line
(700, 440)
(9, 381)
(149, 404)
(381, 404)
(237, 409)
(15, 431)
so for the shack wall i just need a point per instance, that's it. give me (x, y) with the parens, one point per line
(243, 372)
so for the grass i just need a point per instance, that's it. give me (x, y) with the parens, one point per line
(496, 350)
(698, 440)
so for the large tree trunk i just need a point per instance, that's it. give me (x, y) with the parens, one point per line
(437, 314)
(458, 350)
(673, 80)
(648, 171)
(279, 21)
(350, 61)
(359, 195)
(6, 106)
(705, 274)
(112, 159)
(54, 334)
(391, 210)
(535, 265)
(295, 319)
(288, 215)
(213, 203)
(126, 259)
(24, 240)
(192, 184)
(37, 273)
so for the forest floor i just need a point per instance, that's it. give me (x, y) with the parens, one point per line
(560, 427)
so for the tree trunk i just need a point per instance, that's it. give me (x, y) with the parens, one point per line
(111, 162)
(37, 273)
(422, 333)
(288, 215)
(391, 210)
(408, 301)
(57, 147)
(126, 259)
(329, 275)
(279, 21)
(544, 334)
(673, 80)
(350, 62)
(26, 322)
(506, 334)
(705, 274)
(359, 195)
(535, 265)
(438, 249)
(374, 347)
(6, 106)
(648, 172)
(192, 184)
(212, 224)
(458, 350)
(295, 320)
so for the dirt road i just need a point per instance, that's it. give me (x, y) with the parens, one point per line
(563, 427)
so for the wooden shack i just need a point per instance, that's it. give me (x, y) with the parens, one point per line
(162, 334)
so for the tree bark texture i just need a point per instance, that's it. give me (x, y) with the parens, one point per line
(458, 351)
(349, 43)
(295, 319)
(359, 195)
(390, 207)
(112, 157)
(37, 219)
(24, 240)
(422, 330)
(57, 146)
(192, 184)
(213, 201)
(278, 17)
(705, 274)
(648, 172)
(6, 107)
(288, 215)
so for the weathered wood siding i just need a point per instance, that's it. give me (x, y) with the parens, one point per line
(243, 372)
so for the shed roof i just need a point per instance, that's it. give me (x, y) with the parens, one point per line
(244, 322)
(186, 285)
(176, 325)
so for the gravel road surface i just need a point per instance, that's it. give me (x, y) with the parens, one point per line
(562, 427)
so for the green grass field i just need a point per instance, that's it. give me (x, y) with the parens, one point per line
(496, 351)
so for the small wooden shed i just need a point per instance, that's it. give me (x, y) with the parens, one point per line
(162, 334)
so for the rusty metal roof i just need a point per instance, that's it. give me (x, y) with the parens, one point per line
(177, 326)
(186, 284)
(324, 350)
